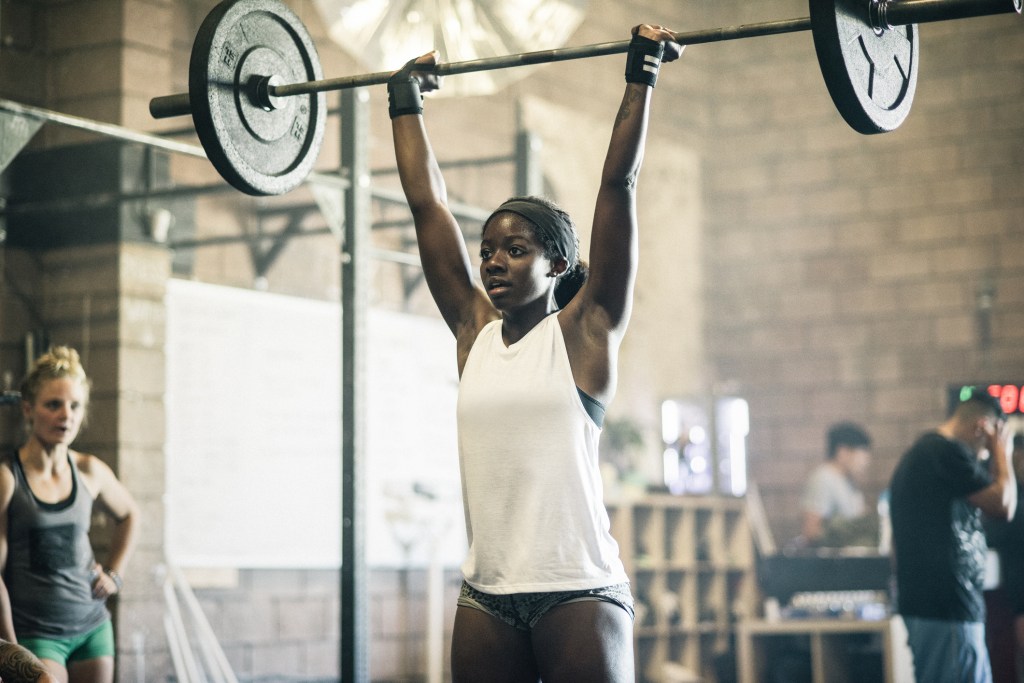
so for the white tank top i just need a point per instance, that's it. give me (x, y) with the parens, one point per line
(531, 485)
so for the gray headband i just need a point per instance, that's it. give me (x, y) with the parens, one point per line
(550, 223)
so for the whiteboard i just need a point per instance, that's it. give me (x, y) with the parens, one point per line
(254, 436)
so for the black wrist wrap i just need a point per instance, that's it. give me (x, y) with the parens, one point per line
(404, 92)
(643, 59)
(404, 95)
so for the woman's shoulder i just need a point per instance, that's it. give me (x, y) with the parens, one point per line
(7, 464)
(89, 465)
(95, 474)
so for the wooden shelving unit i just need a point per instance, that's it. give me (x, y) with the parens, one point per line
(832, 649)
(691, 564)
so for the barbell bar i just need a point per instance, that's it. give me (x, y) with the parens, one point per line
(178, 105)
(256, 91)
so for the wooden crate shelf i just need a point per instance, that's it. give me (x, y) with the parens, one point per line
(690, 560)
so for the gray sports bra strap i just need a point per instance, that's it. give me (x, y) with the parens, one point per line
(594, 407)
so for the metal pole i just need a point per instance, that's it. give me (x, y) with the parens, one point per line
(108, 129)
(129, 135)
(355, 135)
(529, 172)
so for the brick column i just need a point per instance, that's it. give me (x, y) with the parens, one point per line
(108, 301)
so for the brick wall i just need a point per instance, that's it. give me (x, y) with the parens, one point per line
(844, 272)
(282, 625)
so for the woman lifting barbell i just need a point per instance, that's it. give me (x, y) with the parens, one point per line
(545, 594)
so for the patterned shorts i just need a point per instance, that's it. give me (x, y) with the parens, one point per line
(523, 610)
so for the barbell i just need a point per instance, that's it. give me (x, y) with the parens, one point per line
(257, 92)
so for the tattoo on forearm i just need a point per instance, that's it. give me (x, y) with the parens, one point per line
(622, 115)
(634, 95)
(18, 665)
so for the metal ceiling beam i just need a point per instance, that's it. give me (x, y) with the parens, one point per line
(129, 135)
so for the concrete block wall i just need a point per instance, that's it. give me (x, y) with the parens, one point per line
(399, 624)
(845, 274)
(18, 315)
(277, 623)
(283, 625)
(107, 301)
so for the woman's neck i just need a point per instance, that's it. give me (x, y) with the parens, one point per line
(515, 327)
(47, 457)
(515, 324)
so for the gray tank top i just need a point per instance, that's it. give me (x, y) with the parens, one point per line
(50, 561)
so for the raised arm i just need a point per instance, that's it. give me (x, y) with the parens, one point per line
(613, 246)
(446, 263)
(998, 499)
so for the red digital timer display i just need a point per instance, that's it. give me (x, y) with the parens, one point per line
(1011, 396)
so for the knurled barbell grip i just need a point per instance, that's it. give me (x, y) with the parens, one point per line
(881, 14)
(178, 105)
(899, 13)
(547, 56)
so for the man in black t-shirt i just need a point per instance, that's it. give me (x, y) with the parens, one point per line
(939, 490)
(1007, 537)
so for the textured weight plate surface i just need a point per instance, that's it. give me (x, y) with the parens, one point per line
(870, 75)
(259, 150)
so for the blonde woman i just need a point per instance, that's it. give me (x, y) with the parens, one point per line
(53, 591)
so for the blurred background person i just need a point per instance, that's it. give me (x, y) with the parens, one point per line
(1007, 538)
(941, 487)
(53, 592)
(834, 509)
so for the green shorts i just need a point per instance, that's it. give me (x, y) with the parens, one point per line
(98, 642)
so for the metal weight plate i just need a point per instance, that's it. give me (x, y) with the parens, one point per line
(871, 75)
(260, 147)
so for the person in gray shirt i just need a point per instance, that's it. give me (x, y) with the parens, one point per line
(833, 506)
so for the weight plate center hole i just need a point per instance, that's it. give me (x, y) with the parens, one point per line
(259, 92)
(266, 117)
